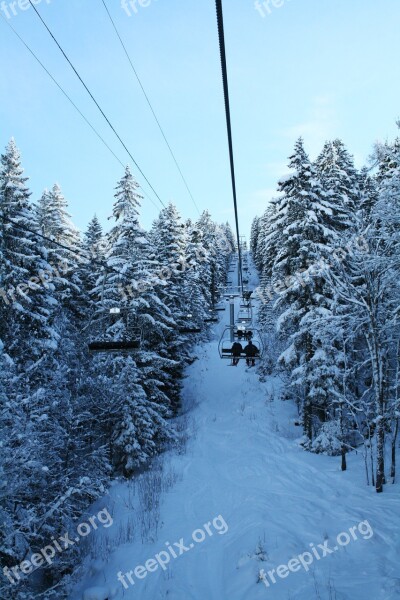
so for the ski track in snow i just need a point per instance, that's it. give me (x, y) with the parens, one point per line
(242, 462)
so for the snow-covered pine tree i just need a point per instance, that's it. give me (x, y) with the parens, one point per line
(217, 244)
(196, 292)
(27, 304)
(304, 237)
(33, 431)
(129, 284)
(254, 235)
(168, 236)
(340, 181)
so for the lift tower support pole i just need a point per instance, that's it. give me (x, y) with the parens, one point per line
(232, 314)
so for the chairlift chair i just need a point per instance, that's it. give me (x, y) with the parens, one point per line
(245, 314)
(225, 344)
(124, 345)
(114, 346)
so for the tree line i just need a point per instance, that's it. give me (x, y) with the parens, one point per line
(327, 250)
(72, 421)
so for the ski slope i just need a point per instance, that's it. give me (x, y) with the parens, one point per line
(242, 464)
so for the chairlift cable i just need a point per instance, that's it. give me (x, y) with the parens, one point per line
(96, 103)
(88, 257)
(221, 35)
(61, 89)
(150, 105)
(71, 102)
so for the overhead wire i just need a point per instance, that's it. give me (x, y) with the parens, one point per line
(96, 103)
(221, 36)
(71, 101)
(106, 269)
(150, 105)
(79, 253)
(60, 88)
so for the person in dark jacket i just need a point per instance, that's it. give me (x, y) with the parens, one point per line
(251, 351)
(236, 350)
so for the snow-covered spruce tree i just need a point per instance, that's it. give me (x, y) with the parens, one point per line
(340, 180)
(27, 304)
(386, 157)
(44, 423)
(209, 257)
(168, 237)
(93, 250)
(254, 235)
(305, 238)
(55, 223)
(366, 290)
(197, 263)
(71, 263)
(368, 286)
(264, 259)
(128, 284)
(54, 220)
(230, 244)
(143, 430)
(32, 428)
(368, 194)
(217, 242)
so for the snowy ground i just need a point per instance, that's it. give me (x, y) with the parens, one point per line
(242, 464)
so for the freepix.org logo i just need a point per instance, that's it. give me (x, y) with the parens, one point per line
(46, 555)
(131, 7)
(11, 9)
(319, 551)
(173, 551)
(266, 7)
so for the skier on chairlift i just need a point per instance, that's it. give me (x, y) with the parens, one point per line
(251, 351)
(236, 351)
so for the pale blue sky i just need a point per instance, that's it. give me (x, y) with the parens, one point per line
(317, 68)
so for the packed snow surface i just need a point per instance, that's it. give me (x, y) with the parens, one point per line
(243, 476)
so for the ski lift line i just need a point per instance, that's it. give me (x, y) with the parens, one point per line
(221, 35)
(114, 346)
(150, 106)
(92, 260)
(61, 89)
(248, 334)
(96, 103)
(72, 102)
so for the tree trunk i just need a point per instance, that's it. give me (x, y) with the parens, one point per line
(380, 455)
(394, 439)
(344, 463)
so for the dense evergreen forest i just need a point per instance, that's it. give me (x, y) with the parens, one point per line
(327, 250)
(72, 421)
